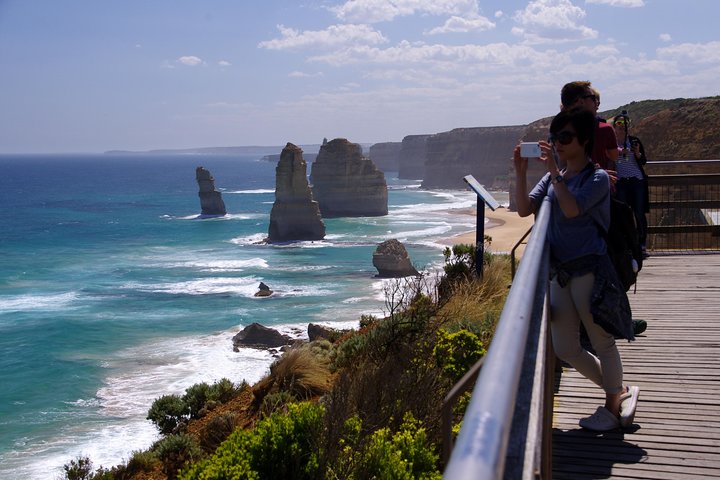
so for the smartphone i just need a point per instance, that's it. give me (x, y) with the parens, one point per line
(530, 150)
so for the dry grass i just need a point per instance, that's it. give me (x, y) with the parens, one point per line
(299, 372)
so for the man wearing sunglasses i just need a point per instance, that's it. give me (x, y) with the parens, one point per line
(582, 94)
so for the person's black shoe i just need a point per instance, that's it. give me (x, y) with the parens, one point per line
(639, 326)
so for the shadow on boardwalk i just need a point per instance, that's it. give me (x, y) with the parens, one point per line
(676, 363)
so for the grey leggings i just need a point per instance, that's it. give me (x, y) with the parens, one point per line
(570, 306)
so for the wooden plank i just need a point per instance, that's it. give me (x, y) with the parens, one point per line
(676, 363)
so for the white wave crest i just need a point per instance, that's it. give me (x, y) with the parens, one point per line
(29, 302)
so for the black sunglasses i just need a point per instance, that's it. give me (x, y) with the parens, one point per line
(563, 138)
(589, 95)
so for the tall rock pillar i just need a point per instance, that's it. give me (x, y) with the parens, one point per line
(211, 202)
(294, 215)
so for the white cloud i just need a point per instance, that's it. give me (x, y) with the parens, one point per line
(552, 21)
(619, 3)
(499, 14)
(597, 51)
(372, 11)
(224, 63)
(456, 24)
(190, 61)
(699, 53)
(665, 37)
(333, 36)
(298, 74)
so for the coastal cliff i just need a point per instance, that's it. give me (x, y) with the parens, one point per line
(483, 152)
(294, 215)
(346, 184)
(413, 153)
(385, 156)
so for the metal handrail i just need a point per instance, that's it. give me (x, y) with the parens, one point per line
(482, 445)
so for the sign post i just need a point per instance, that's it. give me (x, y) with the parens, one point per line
(483, 198)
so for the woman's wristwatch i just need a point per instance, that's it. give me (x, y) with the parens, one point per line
(556, 179)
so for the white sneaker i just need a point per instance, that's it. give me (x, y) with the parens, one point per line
(628, 404)
(600, 421)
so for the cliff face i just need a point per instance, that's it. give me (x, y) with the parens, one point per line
(211, 202)
(484, 152)
(385, 156)
(294, 215)
(413, 152)
(346, 184)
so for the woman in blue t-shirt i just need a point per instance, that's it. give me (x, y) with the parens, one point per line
(580, 268)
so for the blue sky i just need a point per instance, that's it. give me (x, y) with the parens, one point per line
(96, 75)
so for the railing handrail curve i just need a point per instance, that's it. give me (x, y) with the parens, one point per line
(482, 443)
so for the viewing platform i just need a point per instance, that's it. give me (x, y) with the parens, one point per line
(676, 364)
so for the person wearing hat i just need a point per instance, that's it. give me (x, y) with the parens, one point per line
(632, 184)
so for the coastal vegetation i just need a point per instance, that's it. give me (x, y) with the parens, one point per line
(366, 405)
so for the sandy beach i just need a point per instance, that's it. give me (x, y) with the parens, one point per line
(503, 226)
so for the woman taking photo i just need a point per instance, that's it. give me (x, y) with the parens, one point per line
(583, 287)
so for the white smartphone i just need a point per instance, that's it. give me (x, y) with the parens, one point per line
(530, 150)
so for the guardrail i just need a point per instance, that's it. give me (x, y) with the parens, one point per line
(684, 206)
(506, 428)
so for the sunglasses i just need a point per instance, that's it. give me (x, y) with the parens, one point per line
(620, 123)
(563, 138)
(589, 95)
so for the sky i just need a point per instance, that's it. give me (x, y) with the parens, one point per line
(96, 75)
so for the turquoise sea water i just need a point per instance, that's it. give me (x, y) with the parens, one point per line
(113, 292)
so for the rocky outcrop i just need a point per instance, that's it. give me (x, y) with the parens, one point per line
(263, 290)
(392, 260)
(412, 157)
(483, 152)
(294, 215)
(386, 156)
(258, 336)
(346, 184)
(211, 202)
(320, 332)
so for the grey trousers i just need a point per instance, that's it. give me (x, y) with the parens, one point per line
(570, 306)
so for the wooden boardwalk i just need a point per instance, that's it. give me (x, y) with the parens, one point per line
(676, 364)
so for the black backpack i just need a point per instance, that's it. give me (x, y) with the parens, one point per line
(623, 240)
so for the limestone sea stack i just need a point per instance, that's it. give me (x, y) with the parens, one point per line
(392, 260)
(346, 184)
(295, 215)
(211, 202)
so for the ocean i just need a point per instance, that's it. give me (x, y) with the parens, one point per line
(113, 292)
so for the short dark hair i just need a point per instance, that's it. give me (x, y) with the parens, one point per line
(572, 91)
(583, 122)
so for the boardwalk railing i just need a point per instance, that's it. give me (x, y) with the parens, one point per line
(506, 431)
(684, 206)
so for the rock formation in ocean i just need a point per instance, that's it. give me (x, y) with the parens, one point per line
(346, 184)
(412, 157)
(392, 260)
(483, 152)
(386, 156)
(263, 290)
(294, 215)
(211, 202)
(259, 336)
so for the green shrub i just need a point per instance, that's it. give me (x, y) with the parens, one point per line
(80, 468)
(283, 446)
(405, 455)
(455, 353)
(141, 461)
(168, 413)
(223, 391)
(276, 402)
(196, 397)
(175, 451)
